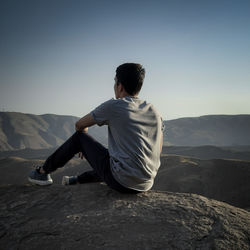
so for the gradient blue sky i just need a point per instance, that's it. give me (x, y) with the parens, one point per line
(60, 56)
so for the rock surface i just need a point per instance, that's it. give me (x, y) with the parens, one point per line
(92, 216)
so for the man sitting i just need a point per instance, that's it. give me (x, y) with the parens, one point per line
(135, 136)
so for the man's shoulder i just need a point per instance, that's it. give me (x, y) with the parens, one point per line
(108, 102)
(130, 103)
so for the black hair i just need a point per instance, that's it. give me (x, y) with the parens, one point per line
(131, 76)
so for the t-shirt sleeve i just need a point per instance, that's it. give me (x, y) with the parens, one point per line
(103, 112)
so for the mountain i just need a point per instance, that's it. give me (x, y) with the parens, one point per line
(217, 130)
(219, 179)
(92, 216)
(209, 152)
(20, 131)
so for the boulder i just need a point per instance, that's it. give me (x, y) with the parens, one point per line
(92, 216)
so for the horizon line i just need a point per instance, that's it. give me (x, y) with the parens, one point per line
(181, 117)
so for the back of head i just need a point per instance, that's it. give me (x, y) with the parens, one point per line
(131, 76)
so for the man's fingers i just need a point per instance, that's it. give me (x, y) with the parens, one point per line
(80, 155)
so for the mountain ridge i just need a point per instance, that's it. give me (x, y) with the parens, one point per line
(21, 130)
(217, 130)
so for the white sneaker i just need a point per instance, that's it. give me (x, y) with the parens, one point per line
(38, 178)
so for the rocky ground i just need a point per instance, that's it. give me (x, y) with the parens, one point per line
(92, 216)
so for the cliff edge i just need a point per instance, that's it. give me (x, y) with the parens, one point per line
(92, 216)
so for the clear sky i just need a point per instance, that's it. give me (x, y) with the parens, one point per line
(60, 56)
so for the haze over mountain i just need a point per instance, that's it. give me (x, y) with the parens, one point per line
(217, 130)
(20, 131)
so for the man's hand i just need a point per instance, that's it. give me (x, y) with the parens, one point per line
(84, 123)
(85, 130)
(80, 154)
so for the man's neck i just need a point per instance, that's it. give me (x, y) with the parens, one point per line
(123, 95)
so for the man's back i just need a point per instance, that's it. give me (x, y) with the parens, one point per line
(135, 130)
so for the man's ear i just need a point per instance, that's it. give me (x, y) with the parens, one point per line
(120, 87)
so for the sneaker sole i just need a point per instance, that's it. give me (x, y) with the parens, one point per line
(41, 183)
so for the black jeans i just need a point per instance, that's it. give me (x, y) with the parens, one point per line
(94, 152)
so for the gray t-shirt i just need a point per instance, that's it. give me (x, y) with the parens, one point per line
(134, 138)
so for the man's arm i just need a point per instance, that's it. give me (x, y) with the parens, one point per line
(84, 123)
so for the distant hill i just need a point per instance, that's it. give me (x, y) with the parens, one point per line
(201, 152)
(217, 130)
(223, 180)
(209, 152)
(21, 131)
